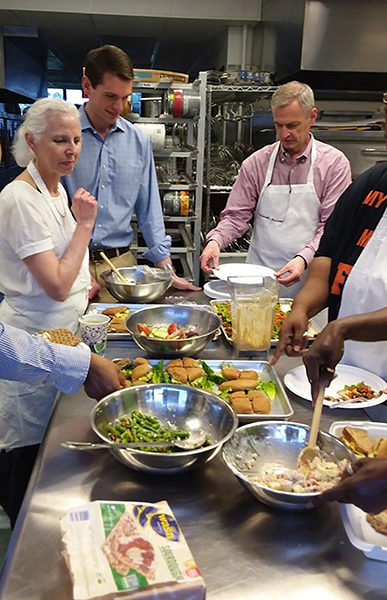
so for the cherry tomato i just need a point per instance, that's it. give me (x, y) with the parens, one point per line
(172, 328)
(143, 328)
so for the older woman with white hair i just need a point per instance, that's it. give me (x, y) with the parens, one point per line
(43, 271)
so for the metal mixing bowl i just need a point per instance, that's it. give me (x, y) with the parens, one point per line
(205, 322)
(187, 408)
(145, 287)
(276, 444)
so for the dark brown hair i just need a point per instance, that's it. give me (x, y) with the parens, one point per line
(108, 59)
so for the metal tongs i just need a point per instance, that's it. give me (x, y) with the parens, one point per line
(197, 437)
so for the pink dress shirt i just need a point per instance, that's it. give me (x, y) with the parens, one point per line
(332, 175)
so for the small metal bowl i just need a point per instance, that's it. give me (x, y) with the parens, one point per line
(187, 408)
(145, 287)
(277, 444)
(205, 322)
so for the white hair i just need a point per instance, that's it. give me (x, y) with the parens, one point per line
(35, 122)
(294, 90)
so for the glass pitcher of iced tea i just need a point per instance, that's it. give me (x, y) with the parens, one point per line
(253, 301)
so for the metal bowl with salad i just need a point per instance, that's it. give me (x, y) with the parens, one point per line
(263, 456)
(173, 330)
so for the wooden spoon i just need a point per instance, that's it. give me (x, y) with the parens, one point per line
(310, 452)
(113, 268)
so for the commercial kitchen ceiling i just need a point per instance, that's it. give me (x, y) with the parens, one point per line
(160, 43)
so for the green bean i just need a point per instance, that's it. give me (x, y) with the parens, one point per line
(150, 428)
(153, 420)
(139, 427)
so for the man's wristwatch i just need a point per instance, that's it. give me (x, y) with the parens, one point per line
(169, 267)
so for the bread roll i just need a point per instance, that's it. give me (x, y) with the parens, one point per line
(179, 374)
(248, 374)
(261, 403)
(238, 384)
(140, 371)
(190, 362)
(194, 373)
(230, 373)
(114, 310)
(242, 405)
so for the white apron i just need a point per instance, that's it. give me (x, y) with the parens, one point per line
(365, 291)
(25, 409)
(286, 218)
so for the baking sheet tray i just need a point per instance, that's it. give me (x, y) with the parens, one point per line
(98, 307)
(281, 407)
(313, 329)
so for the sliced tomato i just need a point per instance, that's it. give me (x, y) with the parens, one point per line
(172, 328)
(143, 328)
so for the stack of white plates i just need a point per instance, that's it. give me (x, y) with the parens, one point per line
(218, 288)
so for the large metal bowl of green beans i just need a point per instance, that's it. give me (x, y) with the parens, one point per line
(151, 412)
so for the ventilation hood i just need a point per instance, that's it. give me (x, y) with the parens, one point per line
(330, 44)
(22, 65)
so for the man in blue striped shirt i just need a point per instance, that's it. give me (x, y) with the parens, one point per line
(35, 360)
(116, 166)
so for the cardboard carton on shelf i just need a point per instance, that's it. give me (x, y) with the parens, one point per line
(155, 76)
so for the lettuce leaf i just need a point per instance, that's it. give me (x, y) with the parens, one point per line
(212, 376)
(203, 383)
(268, 388)
(224, 395)
(157, 372)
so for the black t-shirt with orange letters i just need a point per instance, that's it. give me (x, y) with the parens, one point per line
(350, 226)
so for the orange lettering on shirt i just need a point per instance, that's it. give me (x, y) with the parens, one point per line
(375, 198)
(343, 270)
(370, 198)
(365, 238)
(382, 198)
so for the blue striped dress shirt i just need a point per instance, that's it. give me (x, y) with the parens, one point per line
(119, 171)
(36, 361)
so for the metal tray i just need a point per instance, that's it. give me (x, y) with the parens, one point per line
(281, 407)
(97, 308)
(313, 329)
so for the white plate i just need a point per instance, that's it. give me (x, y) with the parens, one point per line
(361, 534)
(242, 270)
(297, 383)
(216, 289)
(374, 430)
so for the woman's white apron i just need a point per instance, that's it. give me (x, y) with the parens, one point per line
(25, 409)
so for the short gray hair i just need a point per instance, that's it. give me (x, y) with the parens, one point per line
(35, 122)
(294, 90)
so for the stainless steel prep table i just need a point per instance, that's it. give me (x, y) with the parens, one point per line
(246, 550)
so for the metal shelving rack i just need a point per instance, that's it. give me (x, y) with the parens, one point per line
(218, 95)
(186, 227)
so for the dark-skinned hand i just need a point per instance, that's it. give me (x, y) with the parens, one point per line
(366, 488)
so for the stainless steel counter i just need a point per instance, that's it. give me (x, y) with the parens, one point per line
(246, 550)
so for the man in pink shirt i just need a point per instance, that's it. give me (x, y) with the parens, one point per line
(289, 188)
